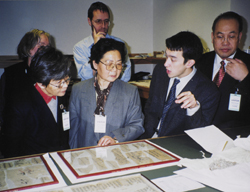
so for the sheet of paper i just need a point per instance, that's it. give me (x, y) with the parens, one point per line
(177, 183)
(211, 139)
(244, 143)
(227, 158)
(131, 183)
(231, 179)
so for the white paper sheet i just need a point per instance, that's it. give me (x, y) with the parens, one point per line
(131, 183)
(243, 143)
(235, 155)
(228, 170)
(231, 179)
(211, 139)
(177, 183)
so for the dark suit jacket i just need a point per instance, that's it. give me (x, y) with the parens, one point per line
(176, 120)
(11, 81)
(29, 126)
(223, 117)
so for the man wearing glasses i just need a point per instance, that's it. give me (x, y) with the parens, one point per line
(99, 20)
(35, 120)
(228, 67)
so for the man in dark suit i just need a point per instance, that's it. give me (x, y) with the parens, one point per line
(33, 119)
(232, 65)
(197, 97)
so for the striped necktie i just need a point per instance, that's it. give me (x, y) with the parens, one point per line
(168, 102)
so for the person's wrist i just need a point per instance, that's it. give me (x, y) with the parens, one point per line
(116, 141)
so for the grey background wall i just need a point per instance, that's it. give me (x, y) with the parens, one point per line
(142, 24)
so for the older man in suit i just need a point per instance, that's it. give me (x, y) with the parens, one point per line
(229, 67)
(197, 97)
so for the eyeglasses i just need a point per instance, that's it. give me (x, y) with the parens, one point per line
(61, 83)
(110, 65)
(100, 22)
(229, 38)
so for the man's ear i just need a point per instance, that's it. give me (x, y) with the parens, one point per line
(41, 85)
(212, 36)
(240, 35)
(190, 63)
(89, 21)
(95, 64)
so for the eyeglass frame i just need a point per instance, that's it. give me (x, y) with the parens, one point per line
(222, 38)
(113, 65)
(100, 22)
(62, 83)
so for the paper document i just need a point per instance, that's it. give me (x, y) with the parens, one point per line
(177, 183)
(244, 143)
(212, 139)
(235, 178)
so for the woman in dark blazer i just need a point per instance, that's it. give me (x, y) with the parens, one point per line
(33, 120)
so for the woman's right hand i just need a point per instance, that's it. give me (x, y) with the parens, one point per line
(106, 140)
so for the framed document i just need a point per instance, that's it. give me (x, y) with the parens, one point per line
(136, 182)
(28, 173)
(90, 163)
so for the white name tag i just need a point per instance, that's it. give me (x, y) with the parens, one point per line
(100, 124)
(234, 102)
(65, 120)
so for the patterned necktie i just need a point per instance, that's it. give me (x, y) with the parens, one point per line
(221, 73)
(168, 102)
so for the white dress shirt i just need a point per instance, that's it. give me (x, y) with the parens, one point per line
(217, 64)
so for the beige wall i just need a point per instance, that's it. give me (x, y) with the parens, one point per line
(143, 24)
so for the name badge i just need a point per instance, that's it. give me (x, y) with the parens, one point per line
(234, 102)
(100, 124)
(65, 120)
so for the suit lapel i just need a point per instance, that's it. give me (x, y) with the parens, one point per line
(228, 81)
(90, 94)
(206, 64)
(175, 110)
(208, 67)
(190, 86)
(163, 89)
(41, 108)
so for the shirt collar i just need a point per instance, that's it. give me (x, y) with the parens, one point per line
(218, 58)
(46, 98)
(186, 78)
(189, 76)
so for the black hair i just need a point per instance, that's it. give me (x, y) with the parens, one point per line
(97, 6)
(103, 46)
(187, 42)
(229, 15)
(49, 64)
